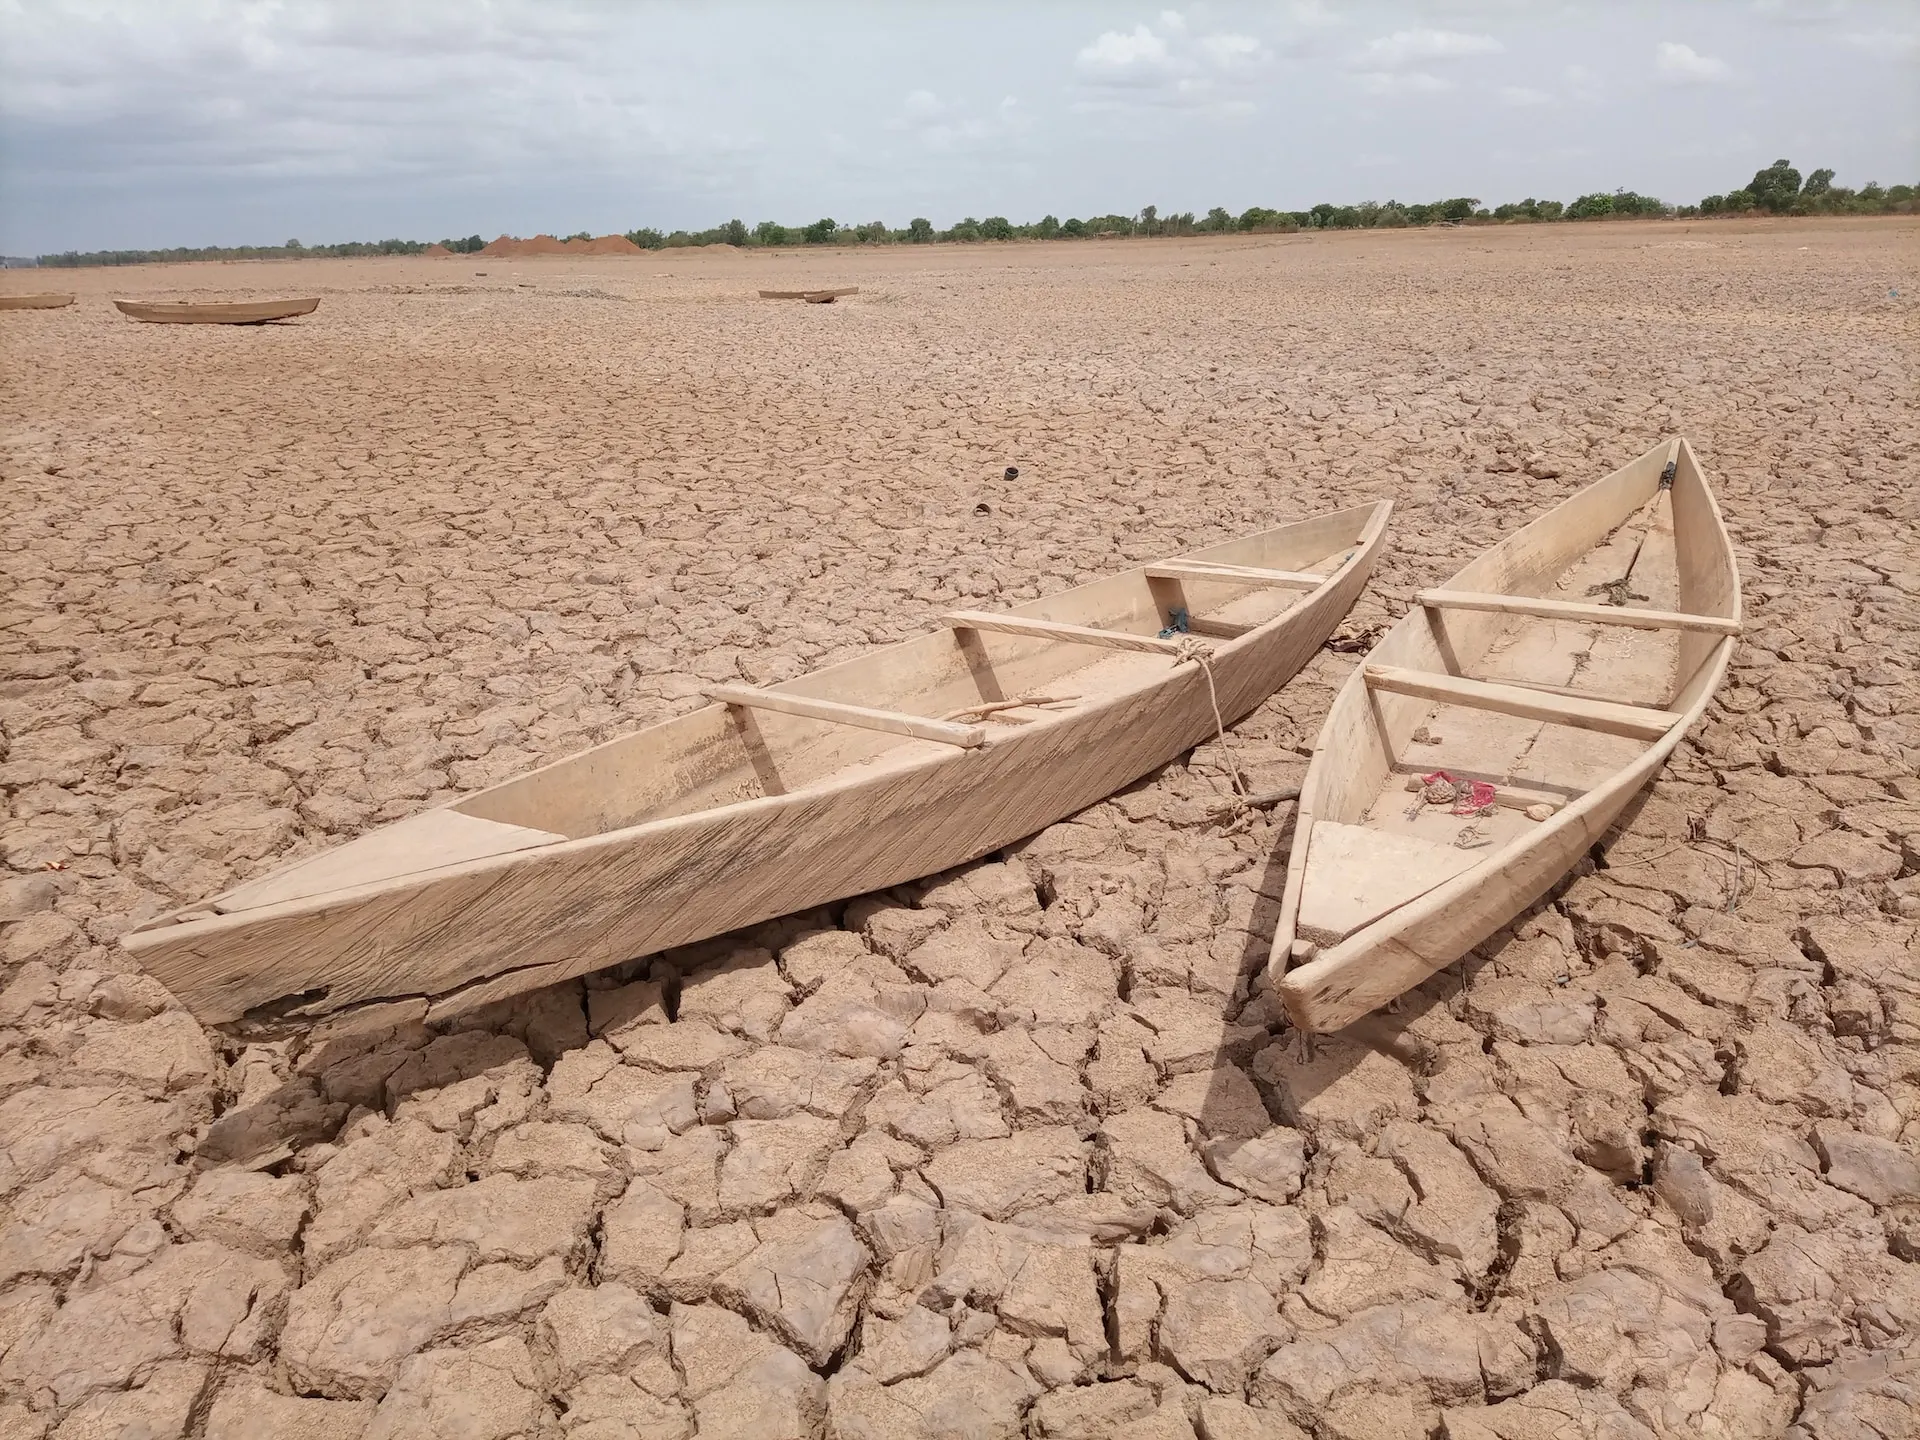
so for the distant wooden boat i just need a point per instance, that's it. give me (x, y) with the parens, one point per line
(812, 297)
(237, 312)
(1513, 676)
(882, 769)
(35, 302)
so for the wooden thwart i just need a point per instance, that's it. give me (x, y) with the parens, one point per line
(835, 712)
(1056, 630)
(1217, 629)
(1234, 575)
(1572, 610)
(1636, 721)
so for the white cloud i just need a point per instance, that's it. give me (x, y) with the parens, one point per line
(1228, 51)
(1523, 96)
(1139, 57)
(1402, 82)
(1685, 64)
(1405, 48)
(952, 127)
(1169, 64)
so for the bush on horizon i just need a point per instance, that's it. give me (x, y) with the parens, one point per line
(1776, 190)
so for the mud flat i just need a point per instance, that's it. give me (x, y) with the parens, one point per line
(1020, 1150)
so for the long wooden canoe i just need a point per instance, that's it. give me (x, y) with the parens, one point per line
(1558, 671)
(236, 312)
(35, 302)
(812, 297)
(866, 774)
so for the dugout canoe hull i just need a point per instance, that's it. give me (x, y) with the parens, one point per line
(740, 812)
(1514, 675)
(239, 312)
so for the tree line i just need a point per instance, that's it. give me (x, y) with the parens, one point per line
(1777, 190)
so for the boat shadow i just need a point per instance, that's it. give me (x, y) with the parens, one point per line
(1317, 1084)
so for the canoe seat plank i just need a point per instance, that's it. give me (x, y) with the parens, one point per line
(1058, 630)
(1635, 721)
(835, 712)
(1220, 574)
(1217, 629)
(420, 842)
(1572, 610)
(1356, 874)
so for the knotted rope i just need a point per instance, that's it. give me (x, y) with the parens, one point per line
(1191, 647)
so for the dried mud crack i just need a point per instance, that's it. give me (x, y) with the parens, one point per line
(1024, 1149)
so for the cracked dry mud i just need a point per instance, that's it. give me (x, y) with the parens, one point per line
(1024, 1149)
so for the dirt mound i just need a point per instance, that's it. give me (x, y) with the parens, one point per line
(604, 245)
(436, 251)
(541, 245)
(504, 247)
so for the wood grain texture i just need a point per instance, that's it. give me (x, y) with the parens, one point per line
(1583, 714)
(1568, 610)
(1364, 748)
(498, 926)
(838, 713)
(35, 302)
(1056, 630)
(1235, 575)
(238, 312)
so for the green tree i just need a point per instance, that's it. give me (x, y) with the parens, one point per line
(820, 232)
(645, 237)
(1075, 228)
(736, 233)
(996, 227)
(1588, 207)
(919, 230)
(771, 232)
(967, 229)
(1461, 208)
(1818, 183)
(1775, 187)
(1149, 222)
(1045, 228)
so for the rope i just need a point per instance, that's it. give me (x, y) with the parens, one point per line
(1193, 648)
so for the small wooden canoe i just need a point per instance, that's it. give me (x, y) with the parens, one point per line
(35, 302)
(812, 297)
(1558, 670)
(882, 769)
(237, 312)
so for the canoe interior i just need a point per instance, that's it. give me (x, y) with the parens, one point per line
(1374, 847)
(721, 755)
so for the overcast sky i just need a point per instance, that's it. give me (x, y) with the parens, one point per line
(138, 123)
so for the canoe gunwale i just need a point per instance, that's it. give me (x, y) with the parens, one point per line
(712, 838)
(1433, 929)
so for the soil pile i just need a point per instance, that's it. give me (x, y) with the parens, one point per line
(604, 245)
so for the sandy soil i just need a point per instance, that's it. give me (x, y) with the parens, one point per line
(1019, 1150)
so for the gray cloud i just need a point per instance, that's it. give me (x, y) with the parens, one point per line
(154, 122)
